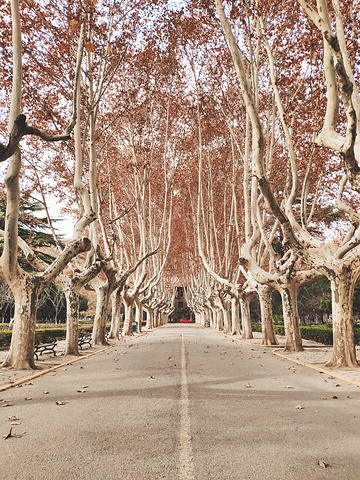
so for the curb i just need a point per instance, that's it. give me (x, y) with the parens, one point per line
(298, 362)
(317, 369)
(70, 362)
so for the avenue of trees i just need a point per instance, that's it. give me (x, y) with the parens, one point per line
(208, 144)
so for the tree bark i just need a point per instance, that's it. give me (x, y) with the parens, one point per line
(245, 318)
(268, 331)
(235, 317)
(344, 350)
(72, 320)
(101, 314)
(293, 341)
(21, 353)
(128, 320)
(115, 316)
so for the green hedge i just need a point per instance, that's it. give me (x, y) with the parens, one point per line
(49, 334)
(319, 333)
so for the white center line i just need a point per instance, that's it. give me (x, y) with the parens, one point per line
(186, 466)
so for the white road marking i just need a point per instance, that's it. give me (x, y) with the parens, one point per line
(186, 465)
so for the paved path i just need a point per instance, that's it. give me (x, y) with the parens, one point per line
(181, 403)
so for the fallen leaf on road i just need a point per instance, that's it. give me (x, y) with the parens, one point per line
(10, 434)
(331, 377)
(28, 398)
(15, 423)
(334, 396)
(30, 383)
(289, 386)
(46, 392)
(337, 385)
(261, 365)
(323, 398)
(248, 385)
(151, 376)
(60, 403)
(7, 405)
(85, 386)
(322, 464)
(299, 407)
(349, 396)
(13, 417)
(81, 391)
(170, 358)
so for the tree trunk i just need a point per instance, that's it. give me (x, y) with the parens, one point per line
(72, 320)
(227, 320)
(21, 352)
(138, 316)
(267, 324)
(293, 341)
(101, 314)
(245, 318)
(342, 292)
(149, 319)
(219, 320)
(115, 317)
(235, 317)
(128, 320)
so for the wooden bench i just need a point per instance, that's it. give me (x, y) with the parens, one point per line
(84, 339)
(42, 346)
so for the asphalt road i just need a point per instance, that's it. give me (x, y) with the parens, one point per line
(181, 403)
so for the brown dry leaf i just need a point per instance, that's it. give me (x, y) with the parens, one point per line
(60, 403)
(331, 377)
(81, 391)
(13, 417)
(248, 385)
(8, 435)
(85, 386)
(289, 386)
(90, 47)
(334, 396)
(46, 392)
(299, 407)
(28, 398)
(349, 396)
(323, 398)
(30, 383)
(152, 376)
(15, 423)
(322, 464)
(170, 358)
(337, 385)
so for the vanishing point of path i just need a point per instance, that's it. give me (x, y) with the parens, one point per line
(181, 403)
